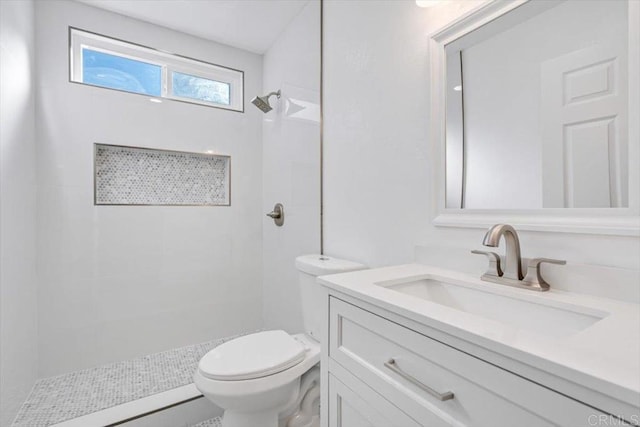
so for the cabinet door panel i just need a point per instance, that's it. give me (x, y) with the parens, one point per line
(358, 406)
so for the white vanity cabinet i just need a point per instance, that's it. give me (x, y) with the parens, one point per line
(378, 372)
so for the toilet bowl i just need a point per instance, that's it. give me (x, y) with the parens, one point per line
(256, 377)
(267, 379)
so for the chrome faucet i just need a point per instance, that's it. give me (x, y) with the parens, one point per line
(512, 274)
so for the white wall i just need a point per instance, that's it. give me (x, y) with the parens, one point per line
(507, 129)
(119, 282)
(18, 311)
(376, 170)
(291, 164)
(378, 190)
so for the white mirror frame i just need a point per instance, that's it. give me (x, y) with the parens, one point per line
(605, 221)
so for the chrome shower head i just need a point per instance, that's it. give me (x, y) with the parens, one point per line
(262, 102)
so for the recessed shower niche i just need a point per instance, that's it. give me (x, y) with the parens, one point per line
(150, 177)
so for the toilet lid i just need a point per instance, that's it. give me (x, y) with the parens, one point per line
(252, 356)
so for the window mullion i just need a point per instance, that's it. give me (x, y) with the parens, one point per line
(165, 82)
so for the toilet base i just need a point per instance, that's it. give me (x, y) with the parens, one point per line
(262, 419)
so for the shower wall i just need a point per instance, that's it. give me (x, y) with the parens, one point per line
(291, 164)
(118, 282)
(18, 312)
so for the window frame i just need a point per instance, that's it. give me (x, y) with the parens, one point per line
(169, 63)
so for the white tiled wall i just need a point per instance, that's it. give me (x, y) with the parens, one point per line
(291, 164)
(18, 312)
(376, 132)
(118, 282)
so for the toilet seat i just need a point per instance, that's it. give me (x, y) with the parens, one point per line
(243, 388)
(252, 356)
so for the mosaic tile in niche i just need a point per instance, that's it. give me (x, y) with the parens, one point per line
(141, 176)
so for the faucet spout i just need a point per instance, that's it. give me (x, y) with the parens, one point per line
(513, 260)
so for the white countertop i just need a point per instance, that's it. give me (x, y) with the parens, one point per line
(605, 356)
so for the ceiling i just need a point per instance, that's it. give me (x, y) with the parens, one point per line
(252, 25)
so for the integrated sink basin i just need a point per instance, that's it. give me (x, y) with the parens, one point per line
(528, 312)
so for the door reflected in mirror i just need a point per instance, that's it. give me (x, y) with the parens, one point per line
(537, 109)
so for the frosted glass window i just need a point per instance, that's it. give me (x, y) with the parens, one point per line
(188, 86)
(107, 62)
(117, 72)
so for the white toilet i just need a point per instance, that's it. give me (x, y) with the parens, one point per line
(270, 378)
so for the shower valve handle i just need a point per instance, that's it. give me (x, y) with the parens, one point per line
(277, 214)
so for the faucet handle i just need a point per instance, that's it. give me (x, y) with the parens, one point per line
(534, 275)
(494, 263)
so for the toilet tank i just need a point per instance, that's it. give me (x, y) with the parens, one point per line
(309, 268)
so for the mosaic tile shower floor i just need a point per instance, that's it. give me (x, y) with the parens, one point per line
(64, 397)
(213, 422)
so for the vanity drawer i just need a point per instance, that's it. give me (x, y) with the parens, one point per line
(483, 394)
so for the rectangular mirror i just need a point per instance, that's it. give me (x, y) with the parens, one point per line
(540, 110)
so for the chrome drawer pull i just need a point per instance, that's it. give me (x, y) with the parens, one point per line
(391, 364)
